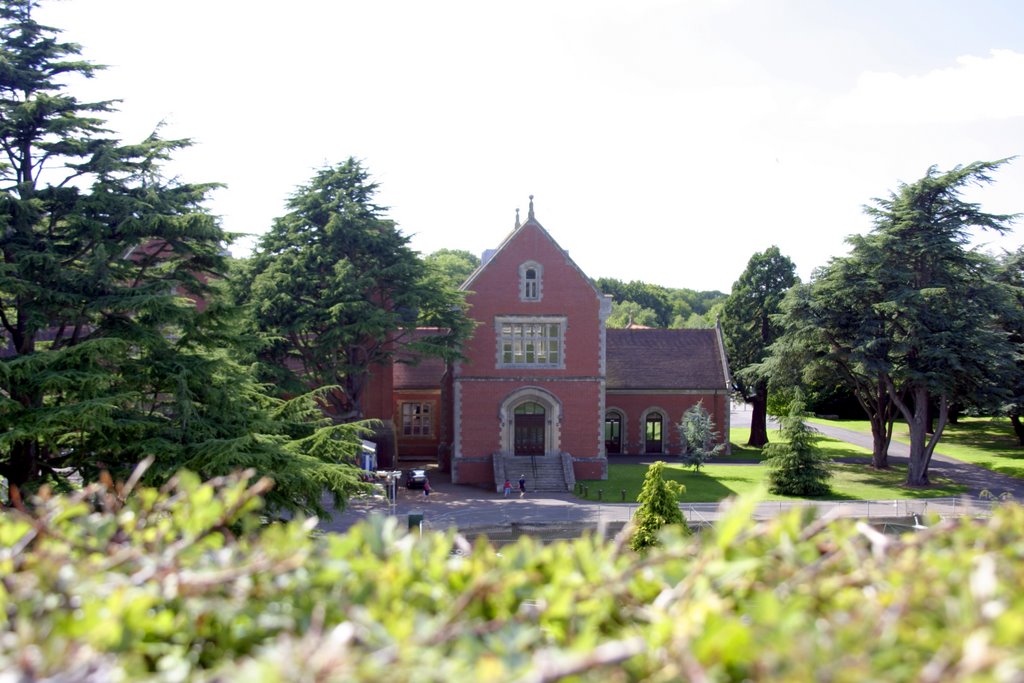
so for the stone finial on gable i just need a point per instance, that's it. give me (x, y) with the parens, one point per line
(529, 216)
(517, 218)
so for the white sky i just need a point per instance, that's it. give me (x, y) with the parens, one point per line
(664, 141)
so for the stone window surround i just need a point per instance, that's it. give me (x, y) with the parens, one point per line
(560, 320)
(623, 427)
(538, 282)
(664, 428)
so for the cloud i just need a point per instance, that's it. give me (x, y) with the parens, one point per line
(975, 89)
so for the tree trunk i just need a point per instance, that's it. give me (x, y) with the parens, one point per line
(917, 423)
(1018, 427)
(921, 446)
(24, 465)
(874, 400)
(759, 418)
(881, 435)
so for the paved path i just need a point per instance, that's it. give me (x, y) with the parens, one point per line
(974, 477)
(469, 508)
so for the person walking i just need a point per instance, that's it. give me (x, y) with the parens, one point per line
(508, 488)
(522, 485)
(426, 487)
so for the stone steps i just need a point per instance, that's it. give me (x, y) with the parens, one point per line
(543, 473)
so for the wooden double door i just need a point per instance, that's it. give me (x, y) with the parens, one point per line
(530, 429)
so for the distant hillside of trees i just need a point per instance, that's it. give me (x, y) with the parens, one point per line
(657, 306)
(638, 302)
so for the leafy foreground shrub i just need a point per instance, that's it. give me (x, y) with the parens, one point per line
(183, 584)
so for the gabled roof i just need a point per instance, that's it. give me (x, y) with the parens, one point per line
(531, 220)
(665, 359)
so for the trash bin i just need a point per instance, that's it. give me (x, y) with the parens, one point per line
(416, 520)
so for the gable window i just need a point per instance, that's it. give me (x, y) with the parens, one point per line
(530, 284)
(417, 419)
(524, 342)
(530, 281)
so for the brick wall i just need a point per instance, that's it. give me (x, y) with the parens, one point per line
(633, 406)
(485, 392)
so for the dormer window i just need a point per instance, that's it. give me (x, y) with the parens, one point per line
(530, 281)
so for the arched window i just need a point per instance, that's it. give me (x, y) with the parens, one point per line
(530, 284)
(530, 274)
(654, 426)
(612, 432)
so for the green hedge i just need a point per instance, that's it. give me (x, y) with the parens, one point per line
(185, 584)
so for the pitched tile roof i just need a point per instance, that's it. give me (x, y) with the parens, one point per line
(664, 359)
(414, 371)
(427, 374)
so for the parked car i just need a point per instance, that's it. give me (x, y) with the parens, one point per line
(415, 478)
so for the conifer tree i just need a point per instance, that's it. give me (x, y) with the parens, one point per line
(912, 320)
(659, 506)
(699, 436)
(336, 284)
(114, 345)
(750, 327)
(796, 467)
(100, 258)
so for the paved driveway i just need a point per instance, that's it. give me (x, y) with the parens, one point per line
(469, 508)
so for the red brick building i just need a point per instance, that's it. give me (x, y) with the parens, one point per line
(545, 388)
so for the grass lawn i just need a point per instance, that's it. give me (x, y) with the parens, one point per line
(740, 453)
(714, 482)
(985, 441)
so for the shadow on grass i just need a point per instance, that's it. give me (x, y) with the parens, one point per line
(853, 480)
(741, 454)
(704, 488)
(985, 434)
(856, 474)
(837, 450)
(700, 486)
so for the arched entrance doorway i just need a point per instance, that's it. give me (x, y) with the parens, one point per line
(529, 428)
(531, 420)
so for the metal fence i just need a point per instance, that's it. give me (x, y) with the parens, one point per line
(562, 522)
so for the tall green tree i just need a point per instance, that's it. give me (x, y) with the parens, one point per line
(911, 318)
(336, 285)
(1011, 275)
(749, 328)
(659, 506)
(103, 260)
(833, 335)
(116, 346)
(940, 303)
